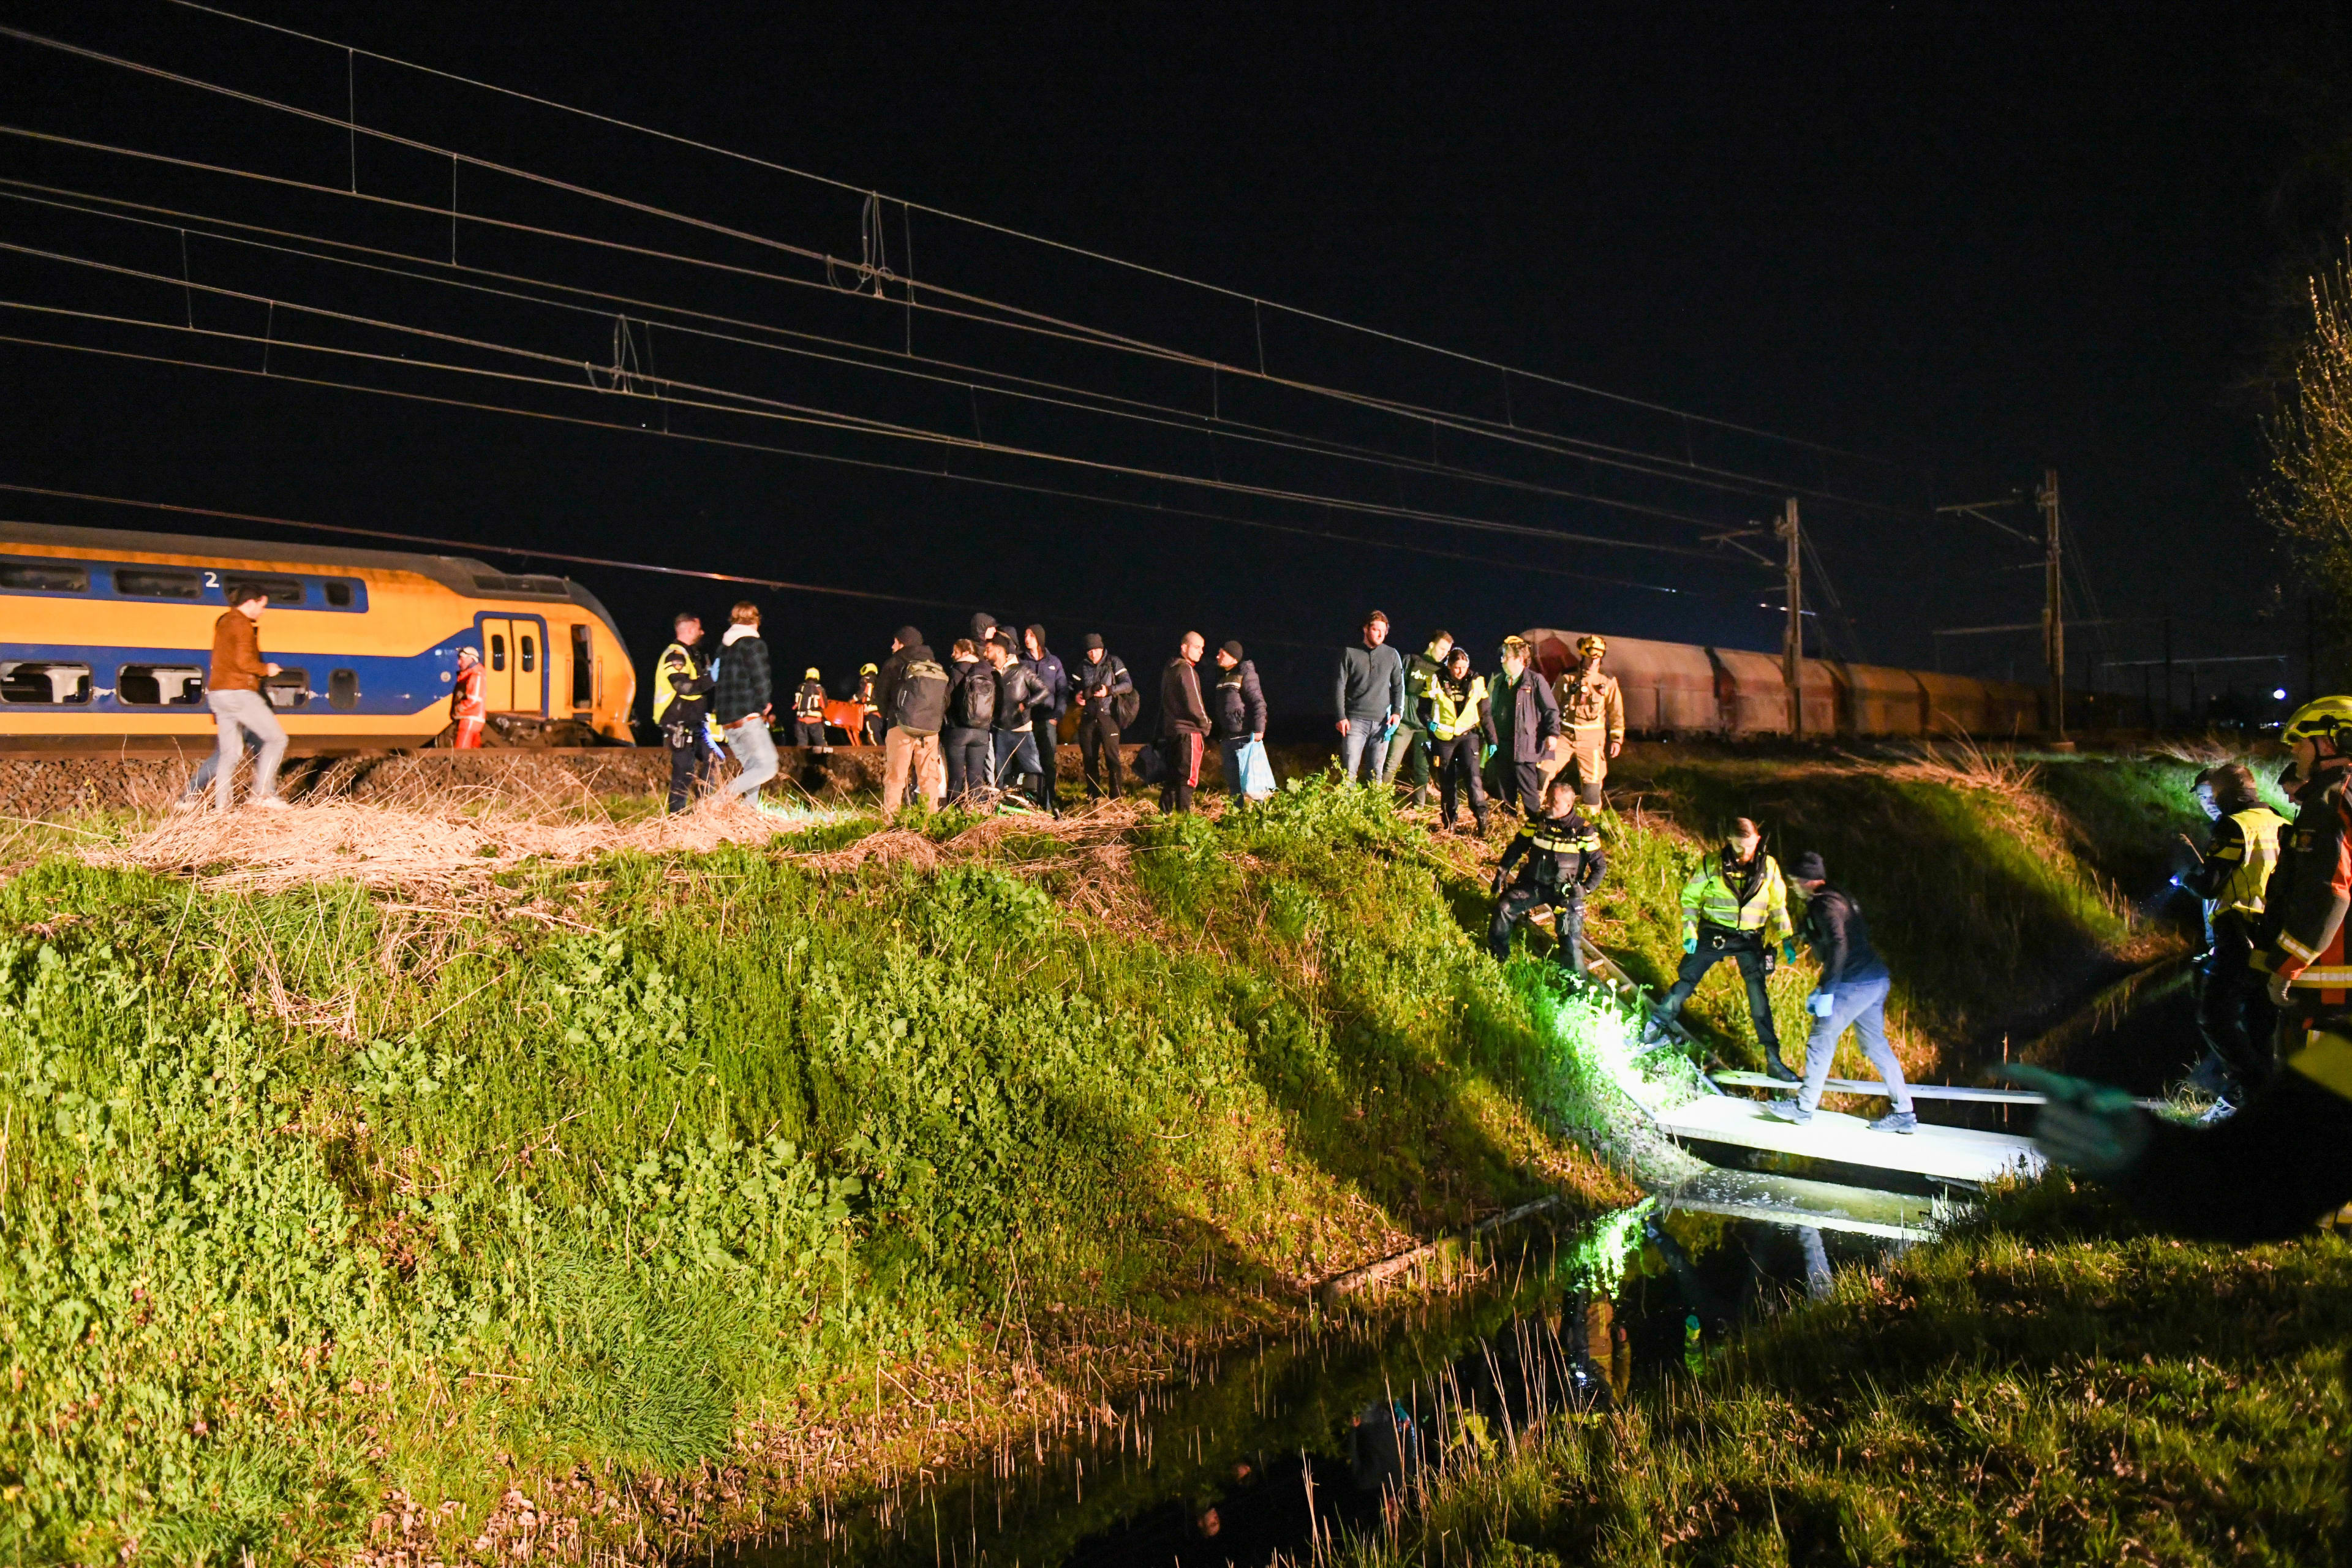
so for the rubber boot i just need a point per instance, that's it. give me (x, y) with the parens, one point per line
(1776, 1069)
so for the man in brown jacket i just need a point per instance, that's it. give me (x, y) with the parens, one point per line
(233, 691)
(1592, 716)
(1183, 723)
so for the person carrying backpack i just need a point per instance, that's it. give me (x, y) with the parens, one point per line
(1107, 702)
(911, 691)
(971, 715)
(1018, 692)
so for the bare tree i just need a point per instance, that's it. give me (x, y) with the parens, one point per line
(2307, 495)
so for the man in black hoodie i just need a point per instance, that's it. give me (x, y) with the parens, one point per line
(1236, 711)
(1018, 692)
(1100, 685)
(1183, 723)
(964, 741)
(1045, 716)
(911, 690)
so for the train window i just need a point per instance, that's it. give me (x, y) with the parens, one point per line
(159, 685)
(584, 669)
(343, 687)
(527, 651)
(44, 682)
(43, 577)
(148, 582)
(497, 651)
(339, 595)
(282, 590)
(288, 689)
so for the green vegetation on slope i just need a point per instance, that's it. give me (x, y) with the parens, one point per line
(2047, 1387)
(320, 1193)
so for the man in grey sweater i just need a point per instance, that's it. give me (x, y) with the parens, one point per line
(1371, 694)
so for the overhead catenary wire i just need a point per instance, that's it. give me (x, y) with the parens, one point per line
(1687, 472)
(977, 481)
(1033, 389)
(746, 404)
(1256, 303)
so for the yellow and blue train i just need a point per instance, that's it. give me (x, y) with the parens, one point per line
(105, 637)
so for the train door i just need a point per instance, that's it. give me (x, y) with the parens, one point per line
(514, 663)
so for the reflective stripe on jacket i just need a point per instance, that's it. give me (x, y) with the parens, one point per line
(1708, 897)
(1449, 716)
(1592, 703)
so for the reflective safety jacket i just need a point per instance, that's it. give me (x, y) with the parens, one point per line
(1750, 897)
(808, 702)
(465, 696)
(1563, 854)
(682, 674)
(1591, 702)
(2310, 891)
(2238, 865)
(1458, 707)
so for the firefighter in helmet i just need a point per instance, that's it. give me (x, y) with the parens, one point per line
(1593, 713)
(808, 713)
(2303, 927)
(867, 675)
(467, 709)
(2232, 878)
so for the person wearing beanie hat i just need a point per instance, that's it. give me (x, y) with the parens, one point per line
(1850, 993)
(1735, 906)
(1105, 695)
(1237, 717)
(808, 713)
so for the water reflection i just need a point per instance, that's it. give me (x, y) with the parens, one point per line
(1284, 1444)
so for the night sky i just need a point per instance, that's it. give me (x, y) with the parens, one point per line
(1964, 242)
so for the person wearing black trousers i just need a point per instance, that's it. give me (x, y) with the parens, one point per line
(1100, 685)
(1046, 716)
(1183, 723)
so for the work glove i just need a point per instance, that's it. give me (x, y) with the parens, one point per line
(1820, 1004)
(1501, 877)
(2278, 988)
(1787, 950)
(2087, 1127)
(1690, 941)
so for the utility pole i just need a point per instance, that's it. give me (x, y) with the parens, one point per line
(1792, 642)
(2053, 610)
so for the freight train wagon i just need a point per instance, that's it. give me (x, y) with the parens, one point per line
(1682, 689)
(105, 639)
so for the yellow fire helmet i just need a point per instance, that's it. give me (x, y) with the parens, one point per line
(868, 670)
(1592, 646)
(809, 674)
(2321, 719)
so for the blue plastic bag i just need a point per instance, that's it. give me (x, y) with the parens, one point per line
(1257, 771)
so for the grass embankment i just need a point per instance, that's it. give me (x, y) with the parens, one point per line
(2046, 1387)
(644, 1197)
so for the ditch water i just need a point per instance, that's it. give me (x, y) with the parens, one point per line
(1280, 1446)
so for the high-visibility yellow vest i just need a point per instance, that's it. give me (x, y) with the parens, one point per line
(1447, 719)
(1707, 895)
(2240, 893)
(667, 669)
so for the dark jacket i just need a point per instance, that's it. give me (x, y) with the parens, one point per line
(1840, 939)
(808, 702)
(2264, 1174)
(1527, 719)
(1563, 854)
(1048, 668)
(744, 688)
(1422, 674)
(2311, 890)
(1096, 682)
(686, 673)
(912, 691)
(1370, 683)
(972, 694)
(1018, 693)
(1181, 712)
(1237, 705)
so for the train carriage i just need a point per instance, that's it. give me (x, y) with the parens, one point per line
(105, 636)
